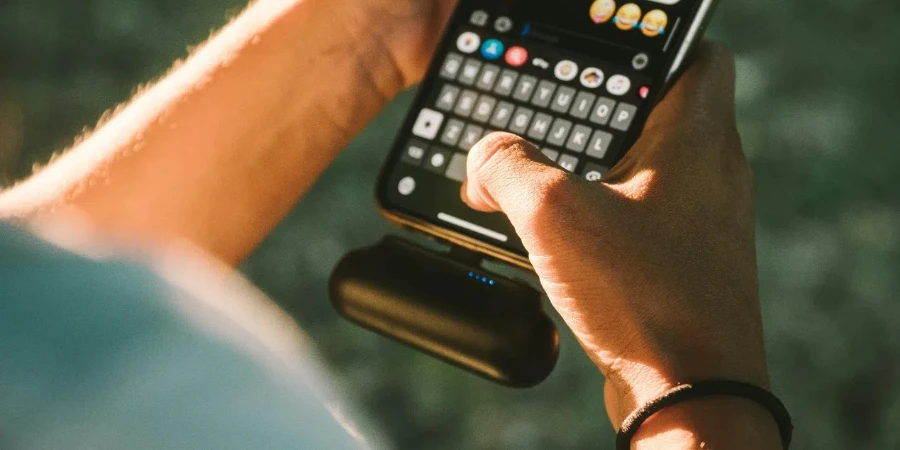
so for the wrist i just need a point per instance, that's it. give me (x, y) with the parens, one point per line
(407, 32)
(714, 422)
(634, 381)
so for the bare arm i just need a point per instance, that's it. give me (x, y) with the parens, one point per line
(219, 151)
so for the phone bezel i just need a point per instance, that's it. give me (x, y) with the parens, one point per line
(688, 38)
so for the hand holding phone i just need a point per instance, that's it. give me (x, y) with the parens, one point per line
(654, 269)
(577, 78)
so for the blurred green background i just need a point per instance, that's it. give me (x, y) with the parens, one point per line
(818, 101)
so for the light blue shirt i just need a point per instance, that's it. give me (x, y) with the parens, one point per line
(110, 354)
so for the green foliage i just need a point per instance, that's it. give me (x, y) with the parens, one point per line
(818, 112)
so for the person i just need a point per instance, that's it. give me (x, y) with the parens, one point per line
(113, 335)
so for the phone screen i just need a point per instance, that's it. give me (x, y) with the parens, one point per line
(577, 78)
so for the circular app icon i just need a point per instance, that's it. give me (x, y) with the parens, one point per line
(468, 42)
(406, 186)
(654, 23)
(592, 78)
(479, 18)
(566, 70)
(644, 91)
(640, 61)
(492, 49)
(516, 56)
(618, 85)
(603, 10)
(503, 24)
(628, 16)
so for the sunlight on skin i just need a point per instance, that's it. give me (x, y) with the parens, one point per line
(671, 438)
(239, 109)
(638, 186)
(118, 133)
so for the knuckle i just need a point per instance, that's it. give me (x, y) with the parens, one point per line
(494, 151)
(554, 200)
(555, 189)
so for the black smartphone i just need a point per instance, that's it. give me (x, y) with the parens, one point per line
(578, 78)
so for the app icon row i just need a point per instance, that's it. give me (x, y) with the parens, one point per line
(565, 70)
(481, 18)
(628, 16)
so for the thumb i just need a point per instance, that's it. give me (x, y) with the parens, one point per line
(508, 174)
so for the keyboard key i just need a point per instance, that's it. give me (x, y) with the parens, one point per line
(471, 136)
(506, 83)
(568, 162)
(594, 172)
(599, 144)
(603, 110)
(525, 88)
(466, 103)
(521, 119)
(451, 66)
(469, 71)
(563, 99)
(540, 126)
(559, 132)
(452, 132)
(502, 115)
(428, 123)
(550, 153)
(623, 116)
(579, 138)
(582, 105)
(487, 132)
(447, 98)
(544, 94)
(483, 108)
(488, 77)
(415, 151)
(437, 160)
(456, 170)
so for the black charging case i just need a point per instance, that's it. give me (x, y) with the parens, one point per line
(445, 304)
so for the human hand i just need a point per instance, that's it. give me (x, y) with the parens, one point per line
(654, 269)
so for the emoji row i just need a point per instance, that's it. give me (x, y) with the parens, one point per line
(629, 16)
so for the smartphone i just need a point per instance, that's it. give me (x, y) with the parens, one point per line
(577, 78)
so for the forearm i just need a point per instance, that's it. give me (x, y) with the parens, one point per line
(219, 150)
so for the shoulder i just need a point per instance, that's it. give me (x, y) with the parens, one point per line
(171, 352)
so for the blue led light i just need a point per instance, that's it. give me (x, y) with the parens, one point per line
(481, 278)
